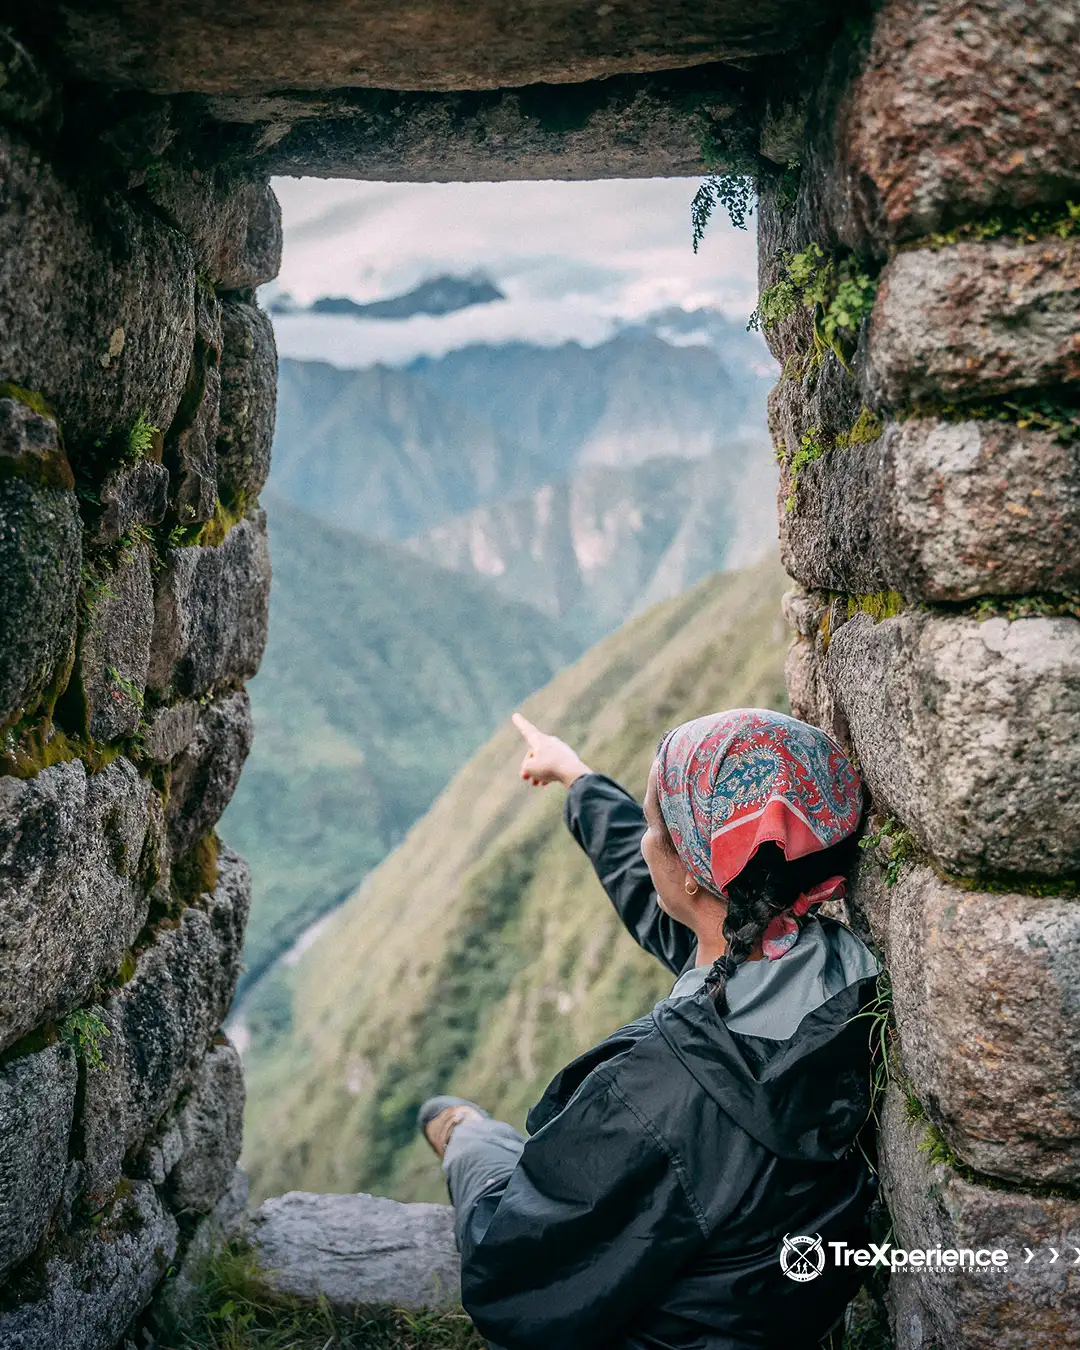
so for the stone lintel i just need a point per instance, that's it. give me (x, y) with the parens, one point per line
(626, 127)
(251, 47)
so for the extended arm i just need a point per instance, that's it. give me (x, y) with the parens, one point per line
(608, 824)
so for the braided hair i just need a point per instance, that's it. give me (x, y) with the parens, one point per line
(767, 886)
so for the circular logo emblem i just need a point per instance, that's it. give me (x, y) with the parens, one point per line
(802, 1258)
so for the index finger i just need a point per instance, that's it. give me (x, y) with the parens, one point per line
(532, 734)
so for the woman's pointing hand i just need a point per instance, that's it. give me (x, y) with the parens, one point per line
(548, 759)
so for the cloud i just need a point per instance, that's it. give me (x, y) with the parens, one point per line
(573, 258)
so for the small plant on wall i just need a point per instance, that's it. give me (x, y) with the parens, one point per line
(839, 294)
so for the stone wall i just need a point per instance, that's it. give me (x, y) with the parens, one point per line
(929, 497)
(920, 274)
(136, 412)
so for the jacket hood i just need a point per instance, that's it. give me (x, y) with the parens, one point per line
(805, 1094)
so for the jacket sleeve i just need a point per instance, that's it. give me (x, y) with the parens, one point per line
(592, 1225)
(608, 824)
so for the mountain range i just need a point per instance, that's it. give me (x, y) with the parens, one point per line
(481, 955)
(588, 481)
(445, 537)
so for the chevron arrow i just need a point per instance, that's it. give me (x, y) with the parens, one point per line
(1055, 1255)
(1077, 1251)
(1029, 1257)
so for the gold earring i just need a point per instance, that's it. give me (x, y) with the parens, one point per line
(690, 886)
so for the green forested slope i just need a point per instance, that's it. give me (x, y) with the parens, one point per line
(382, 674)
(482, 954)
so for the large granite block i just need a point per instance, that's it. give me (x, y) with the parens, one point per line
(40, 556)
(211, 1125)
(1029, 1304)
(37, 1103)
(939, 511)
(211, 612)
(984, 997)
(169, 729)
(357, 1249)
(114, 647)
(233, 222)
(206, 771)
(971, 320)
(161, 1024)
(190, 453)
(957, 110)
(96, 301)
(96, 1281)
(966, 731)
(131, 494)
(248, 399)
(71, 901)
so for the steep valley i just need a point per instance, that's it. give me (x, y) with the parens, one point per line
(382, 674)
(482, 954)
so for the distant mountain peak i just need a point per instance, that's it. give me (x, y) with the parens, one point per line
(435, 297)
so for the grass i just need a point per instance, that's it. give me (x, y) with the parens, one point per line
(235, 1310)
(482, 955)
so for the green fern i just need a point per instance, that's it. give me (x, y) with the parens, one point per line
(84, 1031)
(899, 847)
(141, 438)
(733, 191)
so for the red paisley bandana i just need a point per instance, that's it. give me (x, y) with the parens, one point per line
(730, 781)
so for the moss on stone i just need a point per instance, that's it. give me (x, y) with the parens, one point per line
(1026, 226)
(1056, 412)
(48, 470)
(35, 744)
(878, 605)
(1006, 883)
(195, 873)
(811, 448)
(893, 846)
(126, 969)
(866, 428)
(1012, 607)
(34, 401)
(838, 293)
(225, 517)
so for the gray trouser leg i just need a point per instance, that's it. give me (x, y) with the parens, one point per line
(479, 1154)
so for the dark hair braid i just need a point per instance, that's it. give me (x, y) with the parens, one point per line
(767, 886)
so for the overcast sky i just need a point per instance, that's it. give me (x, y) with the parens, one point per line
(572, 258)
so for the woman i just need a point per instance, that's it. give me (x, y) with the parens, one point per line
(667, 1169)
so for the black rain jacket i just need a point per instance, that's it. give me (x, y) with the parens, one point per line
(665, 1166)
